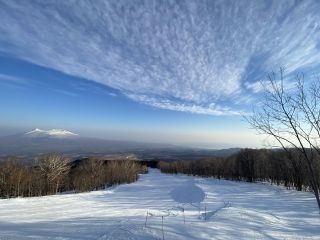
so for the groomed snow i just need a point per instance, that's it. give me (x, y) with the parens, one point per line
(235, 210)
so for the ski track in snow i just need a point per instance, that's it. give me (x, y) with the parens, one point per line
(234, 210)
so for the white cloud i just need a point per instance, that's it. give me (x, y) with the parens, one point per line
(289, 83)
(112, 94)
(12, 79)
(186, 56)
(211, 109)
(65, 92)
(255, 87)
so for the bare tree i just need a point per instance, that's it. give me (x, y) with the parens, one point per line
(54, 168)
(89, 175)
(292, 117)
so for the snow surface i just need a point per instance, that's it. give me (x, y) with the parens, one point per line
(228, 210)
(188, 193)
(52, 132)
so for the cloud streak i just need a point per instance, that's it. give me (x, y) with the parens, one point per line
(190, 56)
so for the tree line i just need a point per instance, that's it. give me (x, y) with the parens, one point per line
(278, 167)
(52, 173)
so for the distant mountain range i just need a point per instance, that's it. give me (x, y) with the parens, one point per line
(39, 141)
(63, 141)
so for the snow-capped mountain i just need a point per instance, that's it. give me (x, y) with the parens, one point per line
(50, 133)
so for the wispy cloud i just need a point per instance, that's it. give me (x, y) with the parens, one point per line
(289, 83)
(211, 109)
(65, 92)
(13, 81)
(188, 56)
(112, 94)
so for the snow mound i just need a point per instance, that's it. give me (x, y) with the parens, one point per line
(188, 193)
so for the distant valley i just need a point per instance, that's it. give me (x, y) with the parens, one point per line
(37, 141)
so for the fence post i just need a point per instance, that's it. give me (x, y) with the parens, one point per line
(145, 224)
(184, 218)
(205, 212)
(162, 228)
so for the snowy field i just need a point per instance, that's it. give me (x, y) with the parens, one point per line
(229, 210)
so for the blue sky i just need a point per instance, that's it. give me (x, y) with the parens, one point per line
(181, 72)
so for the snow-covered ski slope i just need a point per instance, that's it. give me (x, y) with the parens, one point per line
(234, 210)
